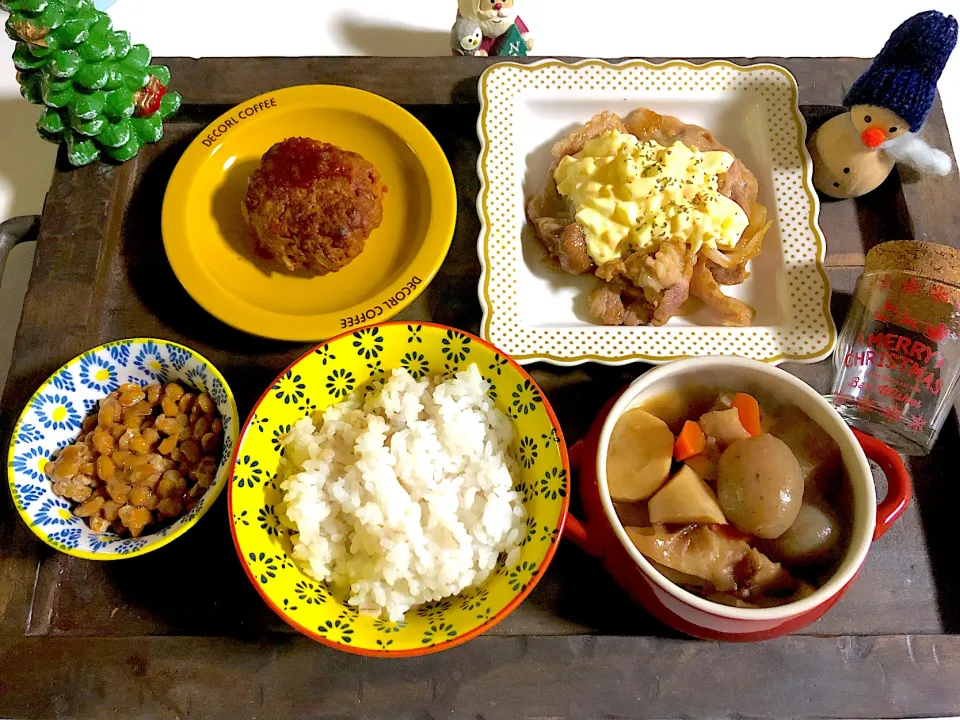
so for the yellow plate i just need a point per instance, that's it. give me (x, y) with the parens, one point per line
(211, 249)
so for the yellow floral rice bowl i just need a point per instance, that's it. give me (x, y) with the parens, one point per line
(356, 365)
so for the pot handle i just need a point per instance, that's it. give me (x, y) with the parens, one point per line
(573, 528)
(15, 231)
(898, 481)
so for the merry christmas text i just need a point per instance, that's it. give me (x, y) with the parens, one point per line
(899, 353)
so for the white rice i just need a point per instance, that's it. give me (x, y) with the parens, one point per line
(406, 497)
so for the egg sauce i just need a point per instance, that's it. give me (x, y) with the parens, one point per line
(630, 195)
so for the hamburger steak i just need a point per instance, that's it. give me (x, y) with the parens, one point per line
(313, 205)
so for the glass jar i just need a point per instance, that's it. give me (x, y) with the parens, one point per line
(898, 355)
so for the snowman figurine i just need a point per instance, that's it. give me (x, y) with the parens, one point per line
(854, 152)
(503, 32)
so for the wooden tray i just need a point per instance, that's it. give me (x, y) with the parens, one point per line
(181, 632)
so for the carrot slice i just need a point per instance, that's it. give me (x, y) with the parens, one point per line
(689, 442)
(749, 411)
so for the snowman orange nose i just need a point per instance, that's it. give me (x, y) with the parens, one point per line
(873, 137)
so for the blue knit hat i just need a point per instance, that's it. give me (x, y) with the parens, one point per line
(903, 77)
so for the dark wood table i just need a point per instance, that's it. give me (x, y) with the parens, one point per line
(181, 633)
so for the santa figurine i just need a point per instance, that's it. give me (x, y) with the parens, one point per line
(854, 152)
(504, 33)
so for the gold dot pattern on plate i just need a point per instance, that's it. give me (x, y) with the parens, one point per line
(807, 332)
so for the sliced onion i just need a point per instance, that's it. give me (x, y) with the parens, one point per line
(751, 248)
(718, 257)
(755, 231)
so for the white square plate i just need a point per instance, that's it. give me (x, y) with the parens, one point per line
(534, 312)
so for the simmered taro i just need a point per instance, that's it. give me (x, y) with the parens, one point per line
(759, 485)
(144, 457)
(747, 509)
(638, 459)
(686, 499)
(810, 538)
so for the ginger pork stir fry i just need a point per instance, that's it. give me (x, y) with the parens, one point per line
(740, 506)
(657, 210)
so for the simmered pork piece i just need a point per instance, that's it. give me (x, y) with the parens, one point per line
(715, 557)
(723, 426)
(757, 575)
(697, 550)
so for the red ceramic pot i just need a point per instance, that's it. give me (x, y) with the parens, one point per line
(601, 534)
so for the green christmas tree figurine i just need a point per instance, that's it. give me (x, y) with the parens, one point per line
(102, 95)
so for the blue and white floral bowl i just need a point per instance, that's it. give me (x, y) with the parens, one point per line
(52, 419)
